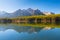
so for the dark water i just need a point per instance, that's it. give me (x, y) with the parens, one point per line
(14, 32)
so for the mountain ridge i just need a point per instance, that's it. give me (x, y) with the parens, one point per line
(24, 12)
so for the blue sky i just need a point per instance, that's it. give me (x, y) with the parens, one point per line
(43, 5)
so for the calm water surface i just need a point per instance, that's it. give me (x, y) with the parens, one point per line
(14, 32)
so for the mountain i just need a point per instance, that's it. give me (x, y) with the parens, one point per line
(24, 12)
(31, 11)
(38, 12)
(27, 12)
(3, 14)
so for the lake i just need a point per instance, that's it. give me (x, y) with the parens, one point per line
(15, 32)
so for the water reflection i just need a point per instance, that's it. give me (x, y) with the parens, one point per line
(14, 32)
(29, 29)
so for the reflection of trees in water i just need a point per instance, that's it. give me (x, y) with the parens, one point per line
(22, 28)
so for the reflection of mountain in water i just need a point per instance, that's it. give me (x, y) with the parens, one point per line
(11, 34)
(21, 28)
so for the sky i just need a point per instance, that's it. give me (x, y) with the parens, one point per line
(43, 5)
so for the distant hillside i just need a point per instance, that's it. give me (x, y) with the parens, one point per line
(24, 12)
